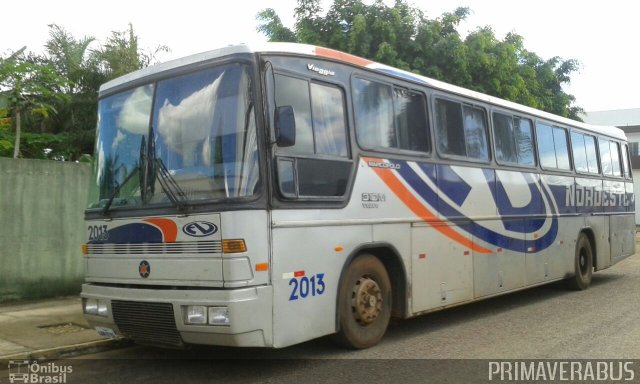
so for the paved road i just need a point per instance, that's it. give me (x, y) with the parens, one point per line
(547, 322)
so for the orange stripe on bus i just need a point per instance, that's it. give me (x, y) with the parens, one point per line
(168, 227)
(421, 211)
(333, 54)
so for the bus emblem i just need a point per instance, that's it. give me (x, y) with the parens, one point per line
(200, 228)
(144, 269)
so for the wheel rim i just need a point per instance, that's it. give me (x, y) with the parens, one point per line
(366, 300)
(583, 262)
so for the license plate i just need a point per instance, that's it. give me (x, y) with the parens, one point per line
(106, 332)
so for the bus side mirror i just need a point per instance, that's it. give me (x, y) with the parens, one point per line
(285, 123)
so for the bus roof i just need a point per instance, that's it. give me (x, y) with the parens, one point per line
(327, 53)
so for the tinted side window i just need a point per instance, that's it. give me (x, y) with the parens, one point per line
(546, 148)
(615, 158)
(295, 92)
(585, 157)
(389, 117)
(373, 114)
(410, 120)
(610, 157)
(318, 164)
(562, 147)
(449, 128)
(625, 161)
(553, 147)
(579, 152)
(605, 157)
(329, 120)
(461, 130)
(592, 155)
(524, 141)
(514, 141)
(505, 139)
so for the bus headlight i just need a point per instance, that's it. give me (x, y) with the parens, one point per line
(218, 316)
(102, 308)
(95, 307)
(195, 314)
(202, 315)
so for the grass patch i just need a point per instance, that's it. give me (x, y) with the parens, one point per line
(40, 289)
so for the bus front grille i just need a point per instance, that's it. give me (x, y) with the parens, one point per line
(147, 323)
(180, 247)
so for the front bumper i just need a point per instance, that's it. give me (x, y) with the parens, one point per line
(155, 316)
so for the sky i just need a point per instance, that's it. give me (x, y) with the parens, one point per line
(601, 35)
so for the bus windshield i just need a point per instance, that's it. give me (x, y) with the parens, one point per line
(179, 141)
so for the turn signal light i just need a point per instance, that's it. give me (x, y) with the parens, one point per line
(234, 246)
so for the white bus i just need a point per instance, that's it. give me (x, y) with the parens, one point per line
(265, 197)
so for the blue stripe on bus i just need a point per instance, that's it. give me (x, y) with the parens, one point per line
(478, 231)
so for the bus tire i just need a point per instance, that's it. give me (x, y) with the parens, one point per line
(583, 265)
(364, 303)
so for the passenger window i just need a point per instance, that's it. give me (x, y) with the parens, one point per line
(295, 92)
(462, 130)
(592, 155)
(318, 164)
(625, 161)
(605, 157)
(524, 141)
(329, 118)
(610, 157)
(615, 158)
(579, 152)
(389, 117)
(562, 148)
(584, 152)
(514, 141)
(411, 120)
(552, 147)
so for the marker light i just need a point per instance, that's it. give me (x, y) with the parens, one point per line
(262, 267)
(85, 249)
(234, 246)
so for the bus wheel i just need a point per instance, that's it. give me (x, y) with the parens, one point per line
(364, 303)
(583, 264)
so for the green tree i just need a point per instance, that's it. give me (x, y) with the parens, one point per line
(403, 37)
(51, 99)
(121, 54)
(76, 118)
(29, 86)
(272, 27)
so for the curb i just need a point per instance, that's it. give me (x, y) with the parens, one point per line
(70, 350)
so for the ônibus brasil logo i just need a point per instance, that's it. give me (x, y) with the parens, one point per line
(26, 371)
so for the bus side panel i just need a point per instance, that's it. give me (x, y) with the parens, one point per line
(587, 197)
(554, 260)
(503, 269)
(442, 272)
(239, 269)
(305, 274)
(630, 197)
(622, 229)
(600, 226)
(622, 234)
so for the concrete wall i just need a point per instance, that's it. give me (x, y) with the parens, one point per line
(41, 227)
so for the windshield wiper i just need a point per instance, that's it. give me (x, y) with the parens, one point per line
(115, 193)
(170, 186)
